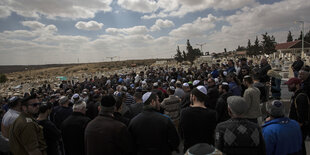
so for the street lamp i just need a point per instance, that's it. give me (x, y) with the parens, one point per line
(302, 37)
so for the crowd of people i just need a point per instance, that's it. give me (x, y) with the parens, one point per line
(233, 108)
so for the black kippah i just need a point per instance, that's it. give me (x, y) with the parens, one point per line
(108, 101)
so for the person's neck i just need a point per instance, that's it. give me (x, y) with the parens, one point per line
(199, 104)
(249, 85)
(138, 101)
(296, 90)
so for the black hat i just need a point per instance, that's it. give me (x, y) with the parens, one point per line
(108, 101)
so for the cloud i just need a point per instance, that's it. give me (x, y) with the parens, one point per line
(180, 8)
(60, 8)
(161, 24)
(33, 24)
(136, 30)
(250, 22)
(89, 26)
(143, 6)
(4, 12)
(18, 47)
(195, 29)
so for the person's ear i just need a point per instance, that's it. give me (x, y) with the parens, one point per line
(99, 108)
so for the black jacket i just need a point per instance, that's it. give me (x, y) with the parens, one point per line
(197, 126)
(105, 135)
(297, 65)
(301, 113)
(263, 77)
(59, 114)
(212, 96)
(221, 108)
(72, 129)
(52, 137)
(153, 134)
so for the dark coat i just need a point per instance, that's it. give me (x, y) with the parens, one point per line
(105, 135)
(221, 108)
(73, 129)
(212, 96)
(52, 137)
(297, 65)
(153, 134)
(59, 114)
(263, 77)
(197, 125)
(300, 114)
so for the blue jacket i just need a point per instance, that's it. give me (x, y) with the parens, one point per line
(230, 69)
(282, 136)
(234, 89)
(215, 73)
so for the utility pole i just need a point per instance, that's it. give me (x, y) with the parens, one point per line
(302, 37)
(111, 58)
(201, 46)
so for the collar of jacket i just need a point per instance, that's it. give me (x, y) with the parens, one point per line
(104, 114)
(78, 114)
(149, 108)
(281, 120)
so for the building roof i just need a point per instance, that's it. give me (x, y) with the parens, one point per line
(241, 53)
(287, 45)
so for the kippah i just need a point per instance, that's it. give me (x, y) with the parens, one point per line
(202, 89)
(146, 96)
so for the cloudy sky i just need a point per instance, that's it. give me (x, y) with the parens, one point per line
(68, 31)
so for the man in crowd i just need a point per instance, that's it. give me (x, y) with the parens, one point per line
(106, 135)
(72, 129)
(238, 135)
(221, 104)
(61, 112)
(212, 95)
(153, 133)
(262, 71)
(299, 110)
(136, 108)
(186, 99)
(26, 136)
(282, 135)
(252, 98)
(197, 122)
(11, 115)
(171, 106)
(231, 67)
(179, 91)
(297, 65)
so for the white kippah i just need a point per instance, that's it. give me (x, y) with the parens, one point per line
(216, 80)
(225, 73)
(225, 83)
(202, 89)
(146, 96)
(185, 84)
(172, 81)
(75, 95)
(196, 82)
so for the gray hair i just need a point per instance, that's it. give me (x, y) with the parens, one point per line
(79, 106)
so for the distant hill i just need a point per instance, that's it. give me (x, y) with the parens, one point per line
(21, 68)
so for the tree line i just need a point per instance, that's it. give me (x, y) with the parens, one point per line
(190, 55)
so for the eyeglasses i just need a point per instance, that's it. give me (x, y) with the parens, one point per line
(34, 104)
